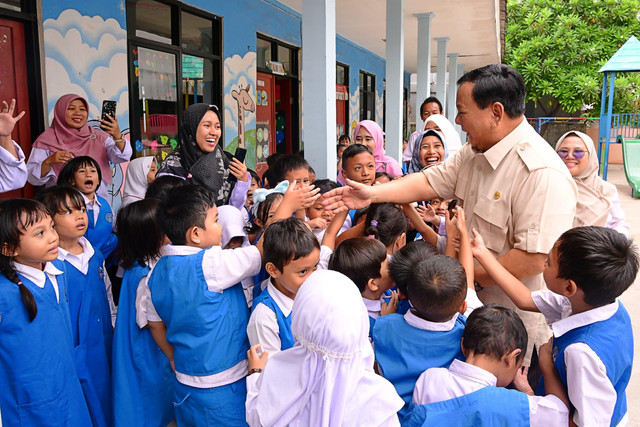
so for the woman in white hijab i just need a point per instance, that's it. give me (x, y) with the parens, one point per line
(598, 200)
(140, 173)
(326, 378)
(441, 124)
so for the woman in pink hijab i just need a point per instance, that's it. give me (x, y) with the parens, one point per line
(370, 134)
(70, 136)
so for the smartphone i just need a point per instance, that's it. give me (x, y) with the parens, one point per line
(108, 107)
(241, 153)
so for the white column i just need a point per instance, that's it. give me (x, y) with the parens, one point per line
(424, 62)
(319, 85)
(452, 89)
(395, 78)
(441, 78)
(463, 135)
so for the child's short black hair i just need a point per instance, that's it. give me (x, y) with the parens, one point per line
(273, 158)
(386, 222)
(601, 261)
(311, 170)
(325, 185)
(404, 261)
(353, 150)
(494, 330)
(139, 235)
(359, 259)
(60, 199)
(162, 185)
(438, 287)
(184, 207)
(255, 176)
(284, 165)
(344, 137)
(72, 166)
(287, 240)
(381, 174)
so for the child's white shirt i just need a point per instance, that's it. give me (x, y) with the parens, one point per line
(439, 384)
(13, 171)
(588, 387)
(373, 307)
(263, 324)
(81, 262)
(39, 277)
(325, 255)
(93, 205)
(222, 269)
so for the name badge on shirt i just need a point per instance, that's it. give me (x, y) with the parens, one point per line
(101, 273)
(554, 353)
(109, 217)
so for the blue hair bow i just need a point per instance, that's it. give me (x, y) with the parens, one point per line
(261, 194)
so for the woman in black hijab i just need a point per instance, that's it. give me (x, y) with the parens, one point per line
(200, 157)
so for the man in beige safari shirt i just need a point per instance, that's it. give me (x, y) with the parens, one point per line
(514, 188)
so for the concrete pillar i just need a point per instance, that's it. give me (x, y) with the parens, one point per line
(424, 62)
(451, 90)
(394, 77)
(319, 85)
(441, 78)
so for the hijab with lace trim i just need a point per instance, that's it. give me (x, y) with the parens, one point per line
(327, 377)
(416, 162)
(594, 194)
(135, 181)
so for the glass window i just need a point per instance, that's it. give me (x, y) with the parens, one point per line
(11, 5)
(158, 102)
(153, 20)
(197, 33)
(197, 80)
(284, 56)
(367, 96)
(341, 75)
(264, 53)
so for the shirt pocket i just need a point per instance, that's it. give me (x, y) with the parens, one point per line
(50, 412)
(492, 217)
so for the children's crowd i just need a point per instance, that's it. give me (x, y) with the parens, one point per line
(280, 312)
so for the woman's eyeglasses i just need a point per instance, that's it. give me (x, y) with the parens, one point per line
(578, 154)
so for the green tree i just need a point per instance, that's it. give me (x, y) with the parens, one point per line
(559, 45)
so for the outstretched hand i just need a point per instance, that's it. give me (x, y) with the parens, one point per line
(7, 120)
(352, 196)
(256, 359)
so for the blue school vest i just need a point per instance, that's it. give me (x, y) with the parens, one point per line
(92, 336)
(284, 323)
(490, 406)
(208, 330)
(142, 377)
(101, 234)
(404, 352)
(38, 379)
(612, 341)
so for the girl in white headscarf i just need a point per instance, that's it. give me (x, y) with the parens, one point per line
(441, 124)
(140, 173)
(326, 378)
(598, 200)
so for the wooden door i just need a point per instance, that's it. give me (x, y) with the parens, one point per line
(13, 84)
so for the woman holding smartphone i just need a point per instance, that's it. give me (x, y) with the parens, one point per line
(70, 136)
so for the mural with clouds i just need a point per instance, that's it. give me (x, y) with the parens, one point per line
(354, 110)
(240, 74)
(87, 55)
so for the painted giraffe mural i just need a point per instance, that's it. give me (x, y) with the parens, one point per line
(245, 103)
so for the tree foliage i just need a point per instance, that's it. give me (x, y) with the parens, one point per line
(559, 45)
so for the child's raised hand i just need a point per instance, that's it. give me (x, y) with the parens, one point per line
(317, 223)
(461, 221)
(238, 169)
(296, 199)
(450, 224)
(256, 359)
(521, 382)
(391, 306)
(7, 120)
(428, 214)
(477, 244)
(545, 358)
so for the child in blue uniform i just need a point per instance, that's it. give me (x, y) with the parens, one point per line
(142, 377)
(84, 174)
(439, 289)
(585, 273)
(291, 254)
(88, 302)
(364, 261)
(198, 314)
(38, 379)
(471, 393)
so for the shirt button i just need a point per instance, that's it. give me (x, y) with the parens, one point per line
(533, 226)
(479, 168)
(473, 192)
(521, 148)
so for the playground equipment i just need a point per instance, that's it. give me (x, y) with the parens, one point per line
(631, 157)
(626, 59)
